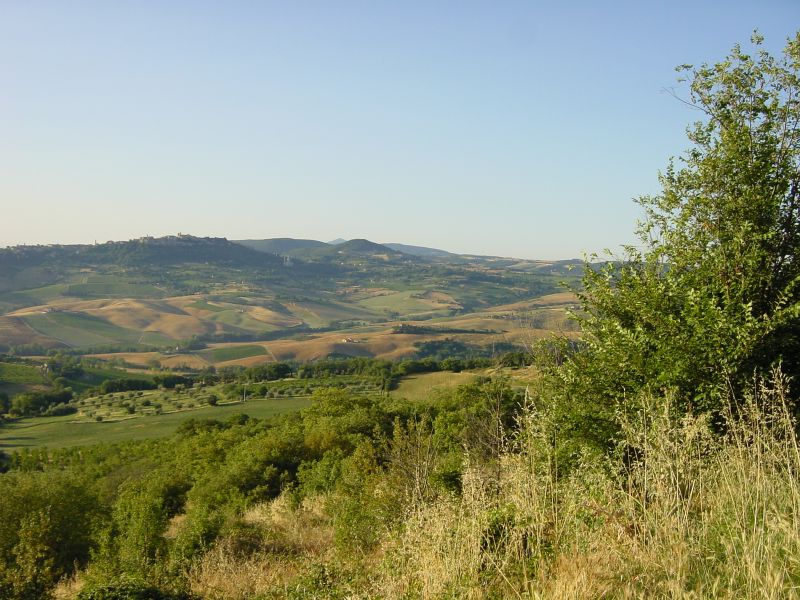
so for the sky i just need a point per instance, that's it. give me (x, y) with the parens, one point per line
(505, 128)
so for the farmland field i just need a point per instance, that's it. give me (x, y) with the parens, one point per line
(234, 352)
(204, 305)
(111, 299)
(80, 330)
(319, 314)
(94, 376)
(42, 294)
(419, 387)
(240, 320)
(61, 432)
(110, 289)
(19, 374)
(408, 302)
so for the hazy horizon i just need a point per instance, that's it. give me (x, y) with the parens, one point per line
(332, 241)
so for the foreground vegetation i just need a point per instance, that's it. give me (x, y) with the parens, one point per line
(658, 458)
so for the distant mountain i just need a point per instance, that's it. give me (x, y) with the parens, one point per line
(362, 246)
(282, 245)
(337, 241)
(315, 250)
(420, 251)
(146, 251)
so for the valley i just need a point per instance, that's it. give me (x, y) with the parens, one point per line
(188, 303)
(91, 336)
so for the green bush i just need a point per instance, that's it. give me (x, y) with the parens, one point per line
(128, 589)
(710, 295)
(135, 544)
(46, 523)
(59, 410)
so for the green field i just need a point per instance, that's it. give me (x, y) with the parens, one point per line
(154, 338)
(204, 305)
(62, 432)
(419, 387)
(240, 320)
(113, 289)
(16, 378)
(233, 353)
(32, 297)
(399, 302)
(321, 314)
(80, 330)
(357, 384)
(19, 374)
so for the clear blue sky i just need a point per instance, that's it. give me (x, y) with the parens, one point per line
(508, 128)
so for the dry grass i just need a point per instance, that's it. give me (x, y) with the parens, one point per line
(148, 315)
(289, 538)
(68, 588)
(161, 316)
(223, 574)
(694, 516)
(421, 386)
(682, 512)
(303, 530)
(15, 331)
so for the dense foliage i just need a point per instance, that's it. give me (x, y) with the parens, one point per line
(118, 504)
(711, 295)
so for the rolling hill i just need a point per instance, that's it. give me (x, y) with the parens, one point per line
(421, 251)
(282, 246)
(168, 298)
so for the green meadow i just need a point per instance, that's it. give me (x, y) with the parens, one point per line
(19, 374)
(399, 302)
(113, 289)
(67, 431)
(81, 330)
(205, 305)
(240, 320)
(233, 353)
(420, 387)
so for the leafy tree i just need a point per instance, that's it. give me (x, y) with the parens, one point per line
(339, 419)
(711, 294)
(269, 372)
(33, 403)
(135, 544)
(45, 530)
(110, 386)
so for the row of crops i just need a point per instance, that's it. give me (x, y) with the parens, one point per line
(125, 405)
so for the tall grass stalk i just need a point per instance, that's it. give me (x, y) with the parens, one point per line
(679, 512)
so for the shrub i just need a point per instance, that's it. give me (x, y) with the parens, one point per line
(60, 410)
(127, 588)
(45, 530)
(710, 295)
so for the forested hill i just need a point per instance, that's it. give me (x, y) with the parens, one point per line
(283, 246)
(144, 251)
